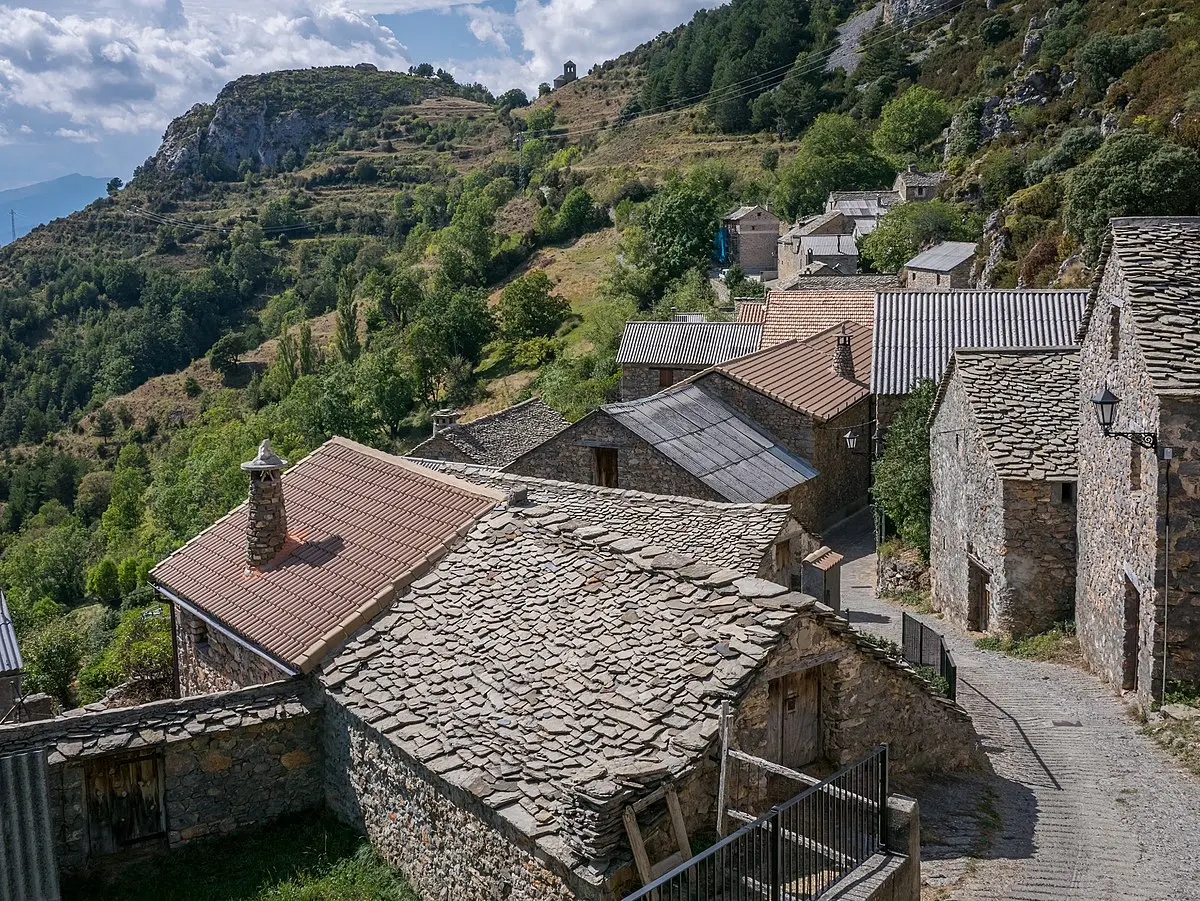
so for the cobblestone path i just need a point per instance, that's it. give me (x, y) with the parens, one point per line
(1080, 804)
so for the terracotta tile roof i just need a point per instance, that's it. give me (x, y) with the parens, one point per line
(1026, 406)
(500, 438)
(360, 522)
(734, 535)
(800, 375)
(751, 310)
(801, 314)
(1160, 260)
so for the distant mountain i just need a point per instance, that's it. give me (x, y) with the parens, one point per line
(39, 203)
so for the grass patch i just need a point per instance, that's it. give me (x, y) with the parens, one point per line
(918, 601)
(1179, 738)
(1059, 645)
(312, 859)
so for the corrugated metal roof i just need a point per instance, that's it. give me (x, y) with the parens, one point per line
(917, 331)
(723, 449)
(943, 257)
(829, 245)
(687, 343)
(800, 374)
(28, 864)
(10, 651)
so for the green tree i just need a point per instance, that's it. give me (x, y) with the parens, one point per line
(346, 344)
(682, 221)
(140, 650)
(308, 355)
(402, 297)
(902, 475)
(106, 424)
(911, 121)
(1132, 174)
(529, 307)
(1001, 174)
(224, 355)
(541, 120)
(905, 229)
(113, 187)
(835, 154)
(386, 388)
(104, 582)
(52, 657)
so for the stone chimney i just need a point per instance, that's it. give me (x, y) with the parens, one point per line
(843, 359)
(266, 526)
(442, 419)
(912, 167)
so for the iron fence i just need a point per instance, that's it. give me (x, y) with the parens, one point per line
(797, 850)
(924, 646)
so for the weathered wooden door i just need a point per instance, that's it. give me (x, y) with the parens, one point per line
(979, 597)
(606, 467)
(1131, 644)
(125, 802)
(795, 704)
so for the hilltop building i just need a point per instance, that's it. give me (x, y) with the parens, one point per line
(568, 75)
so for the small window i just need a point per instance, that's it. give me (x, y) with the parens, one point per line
(1135, 467)
(1064, 492)
(957, 441)
(666, 378)
(606, 466)
(783, 555)
(920, 191)
(1114, 332)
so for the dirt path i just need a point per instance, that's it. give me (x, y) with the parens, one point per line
(1080, 805)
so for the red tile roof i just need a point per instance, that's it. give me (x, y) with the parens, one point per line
(800, 374)
(802, 314)
(751, 310)
(360, 524)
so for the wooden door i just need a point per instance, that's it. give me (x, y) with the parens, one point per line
(1131, 644)
(795, 704)
(125, 802)
(606, 467)
(979, 597)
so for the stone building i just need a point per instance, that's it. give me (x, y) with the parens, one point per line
(279, 583)
(946, 265)
(656, 355)
(1141, 341)
(863, 208)
(797, 315)
(836, 282)
(825, 238)
(914, 185)
(569, 74)
(916, 332)
(1003, 455)
(11, 664)
(750, 234)
(496, 439)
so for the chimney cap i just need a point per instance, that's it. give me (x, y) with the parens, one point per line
(266, 461)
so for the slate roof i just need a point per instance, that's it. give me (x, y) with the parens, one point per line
(10, 651)
(751, 310)
(360, 524)
(840, 283)
(743, 211)
(800, 374)
(1160, 262)
(1026, 405)
(723, 449)
(698, 344)
(498, 439)
(920, 179)
(555, 673)
(917, 331)
(733, 535)
(943, 257)
(802, 314)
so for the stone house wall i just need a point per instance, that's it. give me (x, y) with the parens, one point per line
(438, 448)
(1119, 528)
(1013, 529)
(570, 456)
(210, 661)
(230, 762)
(1179, 421)
(756, 235)
(927, 280)
(641, 380)
(447, 843)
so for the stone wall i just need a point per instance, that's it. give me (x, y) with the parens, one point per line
(927, 280)
(1039, 566)
(211, 661)
(447, 843)
(898, 12)
(1015, 530)
(438, 448)
(1180, 430)
(1119, 528)
(640, 380)
(229, 761)
(640, 467)
(756, 235)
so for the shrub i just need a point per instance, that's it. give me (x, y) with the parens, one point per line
(902, 476)
(1104, 58)
(1001, 174)
(911, 121)
(996, 29)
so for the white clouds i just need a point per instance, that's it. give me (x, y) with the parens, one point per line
(77, 135)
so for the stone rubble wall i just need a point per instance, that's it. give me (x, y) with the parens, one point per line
(446, 843)
(639, 380)
(1040, 561)
(218, 664)
(1180, 430)
(230, 761)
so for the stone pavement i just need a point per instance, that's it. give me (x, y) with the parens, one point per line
(1080, 805)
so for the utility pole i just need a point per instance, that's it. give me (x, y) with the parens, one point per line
(12, 218)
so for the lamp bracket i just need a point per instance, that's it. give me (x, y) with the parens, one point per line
(1147, 440)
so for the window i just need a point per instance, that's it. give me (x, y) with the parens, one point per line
(1114, 332)
(783, 555)
(666, 378)
(606, 466)
(1135, 467)
(920, 191)
(1064, 492)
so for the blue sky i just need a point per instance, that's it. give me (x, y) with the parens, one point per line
(89, 85)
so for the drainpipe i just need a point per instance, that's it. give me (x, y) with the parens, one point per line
(1168, 453)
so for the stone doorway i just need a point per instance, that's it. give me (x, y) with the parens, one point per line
(1130, 643)
(606, 467)
(979, 597)
(125, 803)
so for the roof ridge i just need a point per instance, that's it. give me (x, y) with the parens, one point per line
(407, 465)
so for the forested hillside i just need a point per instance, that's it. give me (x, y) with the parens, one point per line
(343, 250)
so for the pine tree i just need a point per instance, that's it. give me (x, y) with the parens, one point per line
(345, 337)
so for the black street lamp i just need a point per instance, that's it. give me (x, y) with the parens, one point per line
(852, 442)
(1106, 414)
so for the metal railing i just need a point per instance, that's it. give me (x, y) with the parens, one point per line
(797, 850)
(924, 646)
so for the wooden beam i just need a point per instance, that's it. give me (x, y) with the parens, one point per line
(799, 666)
(638, 846)
(780, 770)
(678, 824)
(724, 766)
(653, 798)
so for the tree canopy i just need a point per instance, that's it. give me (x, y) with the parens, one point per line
(835, 154)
